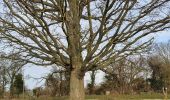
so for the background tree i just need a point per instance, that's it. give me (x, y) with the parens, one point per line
(80, 35)
(11, 65)
(37, 91)
(1, 91)
(18, 84)
(159, 62)
(127, 75)
(3, 76)
(53, 84)
(91, 85)
(58, 83)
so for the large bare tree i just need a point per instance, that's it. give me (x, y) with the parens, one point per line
(80, 35)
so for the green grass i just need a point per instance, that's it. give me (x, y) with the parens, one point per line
(141, 96)
(127, 97)
(122, 97)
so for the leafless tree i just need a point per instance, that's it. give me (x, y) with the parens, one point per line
(53, 83)
(121, 76)
(3, 77)
(11, 65)
(57, 83)
(37, 91)
(91, 85)
(159, 62)
(80, 35)
(3, 82)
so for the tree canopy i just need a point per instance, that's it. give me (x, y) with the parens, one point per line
(80, 35)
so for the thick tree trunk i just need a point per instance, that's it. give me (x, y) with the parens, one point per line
(76, 86)
(75, 50)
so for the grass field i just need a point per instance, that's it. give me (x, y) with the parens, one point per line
(144, 96)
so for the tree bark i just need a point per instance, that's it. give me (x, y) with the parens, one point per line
(12, 86)
(11, 90)
(61, 85)
(93, 77)
(75, 50)
(76, 86)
